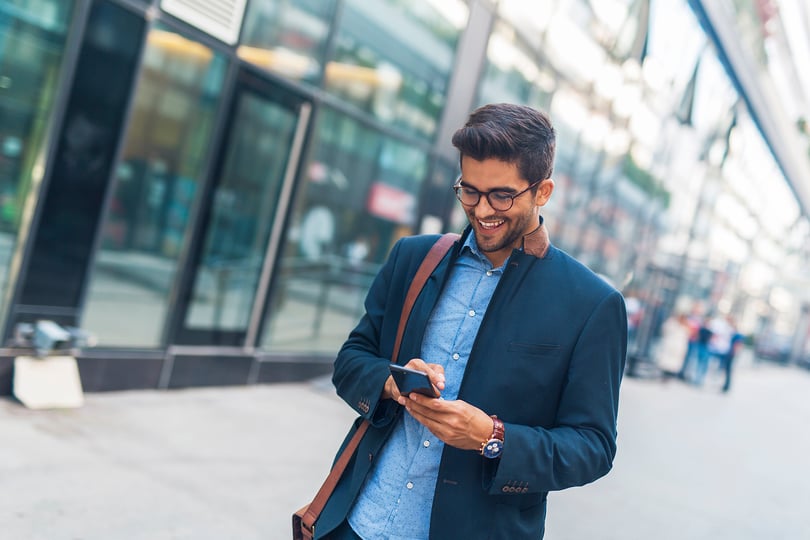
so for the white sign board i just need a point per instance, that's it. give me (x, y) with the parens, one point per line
(219, 18)
(48, 383)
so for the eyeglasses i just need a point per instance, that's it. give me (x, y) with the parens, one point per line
(498, 199)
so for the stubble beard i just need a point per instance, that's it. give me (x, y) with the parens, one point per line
(514, 231)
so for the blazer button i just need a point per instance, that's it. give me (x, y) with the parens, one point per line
(505, 489)
(524, 490)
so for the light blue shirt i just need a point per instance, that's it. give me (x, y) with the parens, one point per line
(396, 499)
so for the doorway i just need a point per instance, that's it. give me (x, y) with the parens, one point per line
(223, 301)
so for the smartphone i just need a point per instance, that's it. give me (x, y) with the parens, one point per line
(410, 380)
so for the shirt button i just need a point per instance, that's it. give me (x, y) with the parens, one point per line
(409, 485)
(489, 272)
(426, 444)
(456, 356)
(472, 313)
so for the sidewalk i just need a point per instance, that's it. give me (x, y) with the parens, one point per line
(234, 463)
(224, 463)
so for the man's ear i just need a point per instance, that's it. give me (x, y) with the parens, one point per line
(544, 191)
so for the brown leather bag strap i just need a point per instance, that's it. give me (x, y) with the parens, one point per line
(430, 262)
(328, 486)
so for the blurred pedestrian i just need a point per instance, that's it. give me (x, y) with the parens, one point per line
(736, 343)
(673, 345)
(719, 346)
(692, 322)
(702, 353)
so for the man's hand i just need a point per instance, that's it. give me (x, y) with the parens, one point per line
(456, 423)
(435, 373)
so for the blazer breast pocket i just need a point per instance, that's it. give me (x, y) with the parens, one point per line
(528, 381)
(534, 349)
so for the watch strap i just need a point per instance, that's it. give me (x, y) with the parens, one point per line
(492, 447)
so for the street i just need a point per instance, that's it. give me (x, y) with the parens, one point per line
(235, 462)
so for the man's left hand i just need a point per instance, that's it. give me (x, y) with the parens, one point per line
(455, 422)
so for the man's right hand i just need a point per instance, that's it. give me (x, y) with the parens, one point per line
(435, 373)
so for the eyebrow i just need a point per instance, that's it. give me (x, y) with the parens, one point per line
(501, 189)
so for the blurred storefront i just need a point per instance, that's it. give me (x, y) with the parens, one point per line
(209, 187)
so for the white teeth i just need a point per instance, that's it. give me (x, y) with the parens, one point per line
(490, 224)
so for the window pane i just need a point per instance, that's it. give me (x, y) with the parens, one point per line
(83, 160)
(358, 197)
(242, 213)
(288, 38)
(32, 37)
(513, 73)
(155, 187)
(394, 59)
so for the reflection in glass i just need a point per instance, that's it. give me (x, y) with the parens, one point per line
(513, 73)
(530, 18)
(242, 214)
(288, 38)
(357, 197)
(32, 36)
(155, 188)
(394, 59)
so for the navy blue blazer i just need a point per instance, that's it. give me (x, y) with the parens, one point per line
(548, 360)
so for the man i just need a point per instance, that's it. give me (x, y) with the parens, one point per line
(525, 344)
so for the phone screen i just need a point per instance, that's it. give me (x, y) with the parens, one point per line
(410, 380)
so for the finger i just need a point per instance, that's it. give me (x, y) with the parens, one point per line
(436, 375)
(432, 408)
(423, 416)
(418, 364)
(390, 389)
(435, 372)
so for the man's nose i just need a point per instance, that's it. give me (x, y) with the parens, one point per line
(483, 207)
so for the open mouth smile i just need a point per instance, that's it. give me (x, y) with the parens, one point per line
(490, 225)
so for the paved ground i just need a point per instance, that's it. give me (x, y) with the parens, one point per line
(233, 463)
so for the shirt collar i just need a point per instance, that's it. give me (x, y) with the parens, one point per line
(470, 248)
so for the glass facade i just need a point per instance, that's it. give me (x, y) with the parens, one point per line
(645, 114)
(393, 59)
(288, 38)
(82, 159)
(243, 196)
(242, 214)
(32, 46)
(359, 195)
(155, 186)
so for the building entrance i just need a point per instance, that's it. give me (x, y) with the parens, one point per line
(223, 302)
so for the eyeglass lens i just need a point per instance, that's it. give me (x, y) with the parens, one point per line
(498, 200)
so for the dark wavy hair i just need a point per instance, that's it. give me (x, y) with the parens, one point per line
(512, 133)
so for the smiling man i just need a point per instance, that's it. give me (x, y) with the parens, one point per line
(525, 345)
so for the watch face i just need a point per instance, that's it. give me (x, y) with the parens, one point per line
(493, 448)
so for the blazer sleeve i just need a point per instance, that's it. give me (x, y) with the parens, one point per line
(581, 445)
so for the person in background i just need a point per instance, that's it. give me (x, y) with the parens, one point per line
(526, 346)
(727, 361)
(702, 351)
(692, 322)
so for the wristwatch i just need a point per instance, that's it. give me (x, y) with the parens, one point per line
(493, 447)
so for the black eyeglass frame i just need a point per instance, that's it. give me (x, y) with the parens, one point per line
(458, 186)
